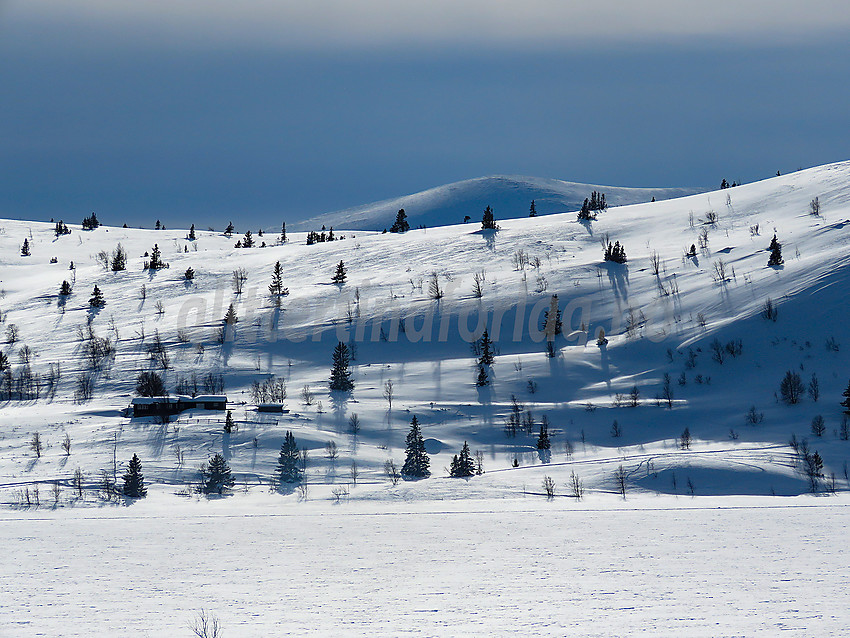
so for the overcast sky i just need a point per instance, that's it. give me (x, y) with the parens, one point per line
(205, 110)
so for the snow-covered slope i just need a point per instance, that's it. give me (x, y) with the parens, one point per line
(510, 196)
(656, 324)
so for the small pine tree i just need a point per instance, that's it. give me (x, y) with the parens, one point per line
(134, 480)
(283, 233)
(532, 211)
(97, 300)
(401, 224)
(276, 288)
(289, 461)
(191, 236)
(65, 289)
(229, 230)
(482, 379)
(215, 476)
(543, 442)
(155, 262)
(229, 425)
(488, 221)
(340, 380)
(416, 462)
(340, 275)
(119, 259)
(846, 402)
(775, 253)
(463, 465)
(189, 275)
(25, 248)
(230, 317)
(248, 240)
(485, 348)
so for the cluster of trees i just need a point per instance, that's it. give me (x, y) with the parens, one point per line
(91, 222)
(61, 229)
(724, 184)
(155, 261)
(317, 238)
(592, 206)
(615, 252)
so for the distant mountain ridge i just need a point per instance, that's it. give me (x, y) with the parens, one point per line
(509, 195)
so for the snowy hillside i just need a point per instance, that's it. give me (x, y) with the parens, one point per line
(683, 400)
(509, 195)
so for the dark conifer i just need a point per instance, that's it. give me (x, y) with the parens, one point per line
(229, 230)
(276, 288)
(215, 476)
(25, 248)
(283, 233)
(532, 211)
(288, 463)
(340, 373)
(488, 221)
(97, 300)
(417, 464)
(340, 274)
(400, 225)
(463, 465)
(775, 253)
(134, 480)
(192, 233)
(65, 289)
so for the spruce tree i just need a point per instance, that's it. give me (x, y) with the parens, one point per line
(400, 225)
(248, 240)
(532, 212)
(155, 262)
(488, 221)
(228, 422)
(288, 463)
(65, 289)
(192, 233)
(96, 300)
(276, 288)
(25, 248)
(485, 348)
(340, 275)
(189, 275)
(846, 402)
(229, 230)
(230, 317)
(134, 480)
(340, 374)
(417, 464)
(463, 465)
(283, 233)
(543, 442)
(775, 253)
(215, 476)
(119, 259)
(482, 379)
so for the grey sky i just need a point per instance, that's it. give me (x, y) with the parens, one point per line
(270, 110)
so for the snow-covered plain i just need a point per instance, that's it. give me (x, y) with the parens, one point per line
(722, 538)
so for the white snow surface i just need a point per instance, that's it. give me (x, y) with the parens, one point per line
(720, 539)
